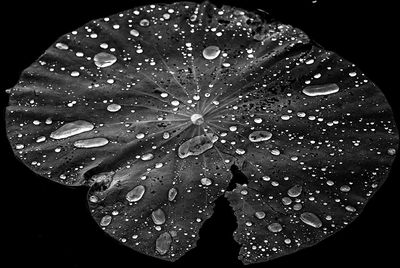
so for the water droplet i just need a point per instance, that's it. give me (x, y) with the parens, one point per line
(345, 188)
(139, 136)
(233, 128)
(240, 151)
(104, 59)
(75, 74)
(197, 119)
(275, 227)
(295, 191)
(147, 157)
(206, 181)
(113, 108)
(91, 143)
(211, 52)
(175, 103)
(260, 215)
(144, 23)
(311, 219)
(197, 145)
(286, 201)
(172, 194)
(135, 194)
(391, 151)
(350, 209)
(105, 221)
(61, 46)
(158, 216)
(134, 32)
(71, 129)
(163, 243)
(320, 90)
(19, 146)
(259, 136)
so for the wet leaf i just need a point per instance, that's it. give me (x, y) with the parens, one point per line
(151, 107)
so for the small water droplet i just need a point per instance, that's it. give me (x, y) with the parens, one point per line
(260, 215)
(61, 46)
(147, 157)
(144, 23)
(206, 181)
(113, 108)
(211, 52)
(172, 194)
(134, 32)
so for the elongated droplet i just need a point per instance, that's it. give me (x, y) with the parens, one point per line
(172, 194)
(211, 52)
(320, 90)
(163, 243)
(147, 157)
(158, 216)
(259, 136)
(197, 145)
(91, 143)
(71, 129)
(104, 59)
(135, 194)
(311, 219)
(295, 191)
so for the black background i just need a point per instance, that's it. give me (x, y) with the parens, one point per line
(48, 225)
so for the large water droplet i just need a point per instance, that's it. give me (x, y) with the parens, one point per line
(197, 145)
(211, 52)
(104, 59)
(71, 129)
(259, 136)
(135, 194)
(158, 216)
(320, 90)
(311, 219)
(91, 143)
(163, 243)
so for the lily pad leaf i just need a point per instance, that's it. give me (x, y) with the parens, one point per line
(151, 107)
